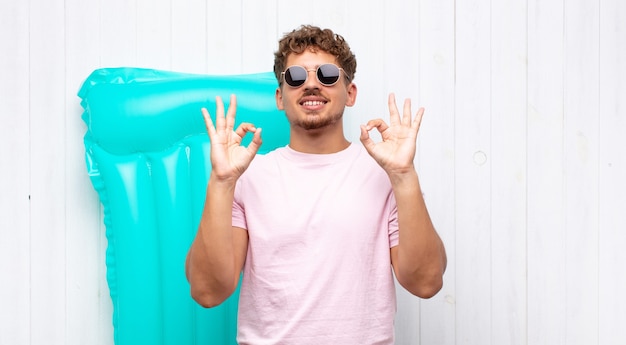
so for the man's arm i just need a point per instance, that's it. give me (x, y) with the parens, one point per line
(218, 252)
(419, 260)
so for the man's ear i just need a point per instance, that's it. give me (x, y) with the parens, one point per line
(352, 90)
(279, 99)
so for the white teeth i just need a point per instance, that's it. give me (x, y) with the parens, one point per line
(312, 103)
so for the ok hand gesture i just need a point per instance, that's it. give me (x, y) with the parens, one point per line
(396, 152)
(228, 157)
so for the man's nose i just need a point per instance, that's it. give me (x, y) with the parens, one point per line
(311, 81)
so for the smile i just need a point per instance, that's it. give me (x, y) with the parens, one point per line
(312, 103)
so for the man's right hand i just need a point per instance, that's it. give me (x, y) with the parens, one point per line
(229, 159)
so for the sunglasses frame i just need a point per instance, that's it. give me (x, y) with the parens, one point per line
(316, 70)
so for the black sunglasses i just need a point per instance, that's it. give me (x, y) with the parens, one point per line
(327, 74)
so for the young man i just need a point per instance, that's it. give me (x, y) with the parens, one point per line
(317, 226)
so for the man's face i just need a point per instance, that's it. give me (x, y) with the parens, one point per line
(313, 105)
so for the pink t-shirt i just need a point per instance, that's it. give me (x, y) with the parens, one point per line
(318, 268)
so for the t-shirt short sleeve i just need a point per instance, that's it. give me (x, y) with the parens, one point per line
(239, 215)
(394, 234)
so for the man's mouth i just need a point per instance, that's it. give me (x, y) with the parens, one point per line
(312, 103)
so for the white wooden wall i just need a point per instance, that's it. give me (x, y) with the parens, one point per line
(521, 153)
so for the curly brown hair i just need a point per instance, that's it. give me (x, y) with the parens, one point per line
(313, 37)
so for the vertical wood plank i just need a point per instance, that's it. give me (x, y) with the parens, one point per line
(48, 198)
(118, 30)
(400, 66)
(436, 155)
(325, 14)
(545, 198)
(14, 174)
(82, 204)
(224, 32)
(258, 41)
(581, 100)
(472, 172)
(508, 171)
(189, 36)
(612, 170)
(154, 34)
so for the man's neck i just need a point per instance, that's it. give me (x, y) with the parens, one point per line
(321, 141)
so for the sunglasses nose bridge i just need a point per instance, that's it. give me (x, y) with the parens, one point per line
(311, 79)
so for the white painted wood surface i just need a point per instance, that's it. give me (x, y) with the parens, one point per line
(521, 153)
(612, 169)
(15, 167)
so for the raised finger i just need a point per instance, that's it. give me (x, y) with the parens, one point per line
(394, 116)
(220, 123)
(230, 114)
(406, 112)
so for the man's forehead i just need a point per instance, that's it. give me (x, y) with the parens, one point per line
(310, 58)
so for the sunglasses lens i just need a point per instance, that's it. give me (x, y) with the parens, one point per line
(328, 74)
(295, 76)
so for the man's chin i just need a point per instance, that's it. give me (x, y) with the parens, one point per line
(315, 124)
